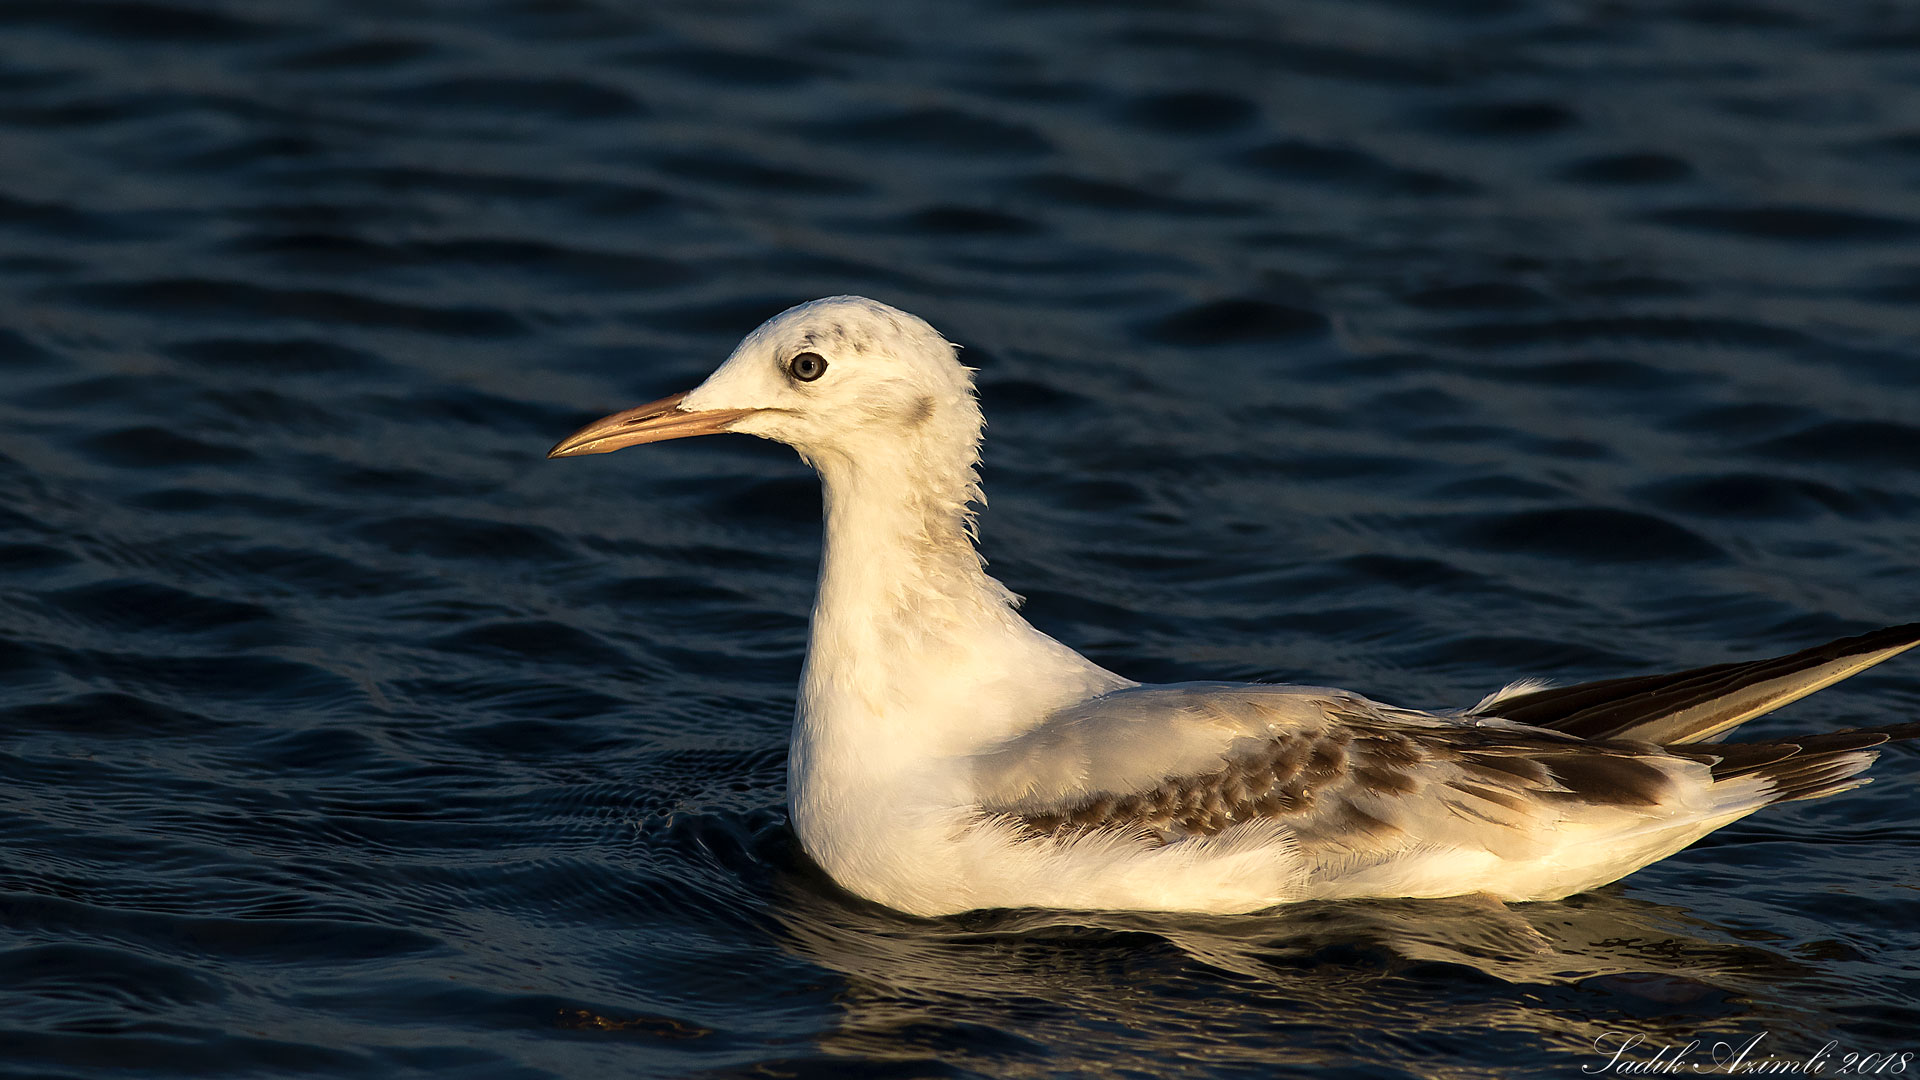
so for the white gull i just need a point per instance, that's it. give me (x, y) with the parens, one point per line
(948, 756)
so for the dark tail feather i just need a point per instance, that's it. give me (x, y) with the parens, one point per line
(1698, 704)
(1810, 767)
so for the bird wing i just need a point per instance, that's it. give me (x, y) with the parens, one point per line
(1340, 774)
(1699, 704)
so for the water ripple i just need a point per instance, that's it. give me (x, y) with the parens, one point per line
(1413, 348)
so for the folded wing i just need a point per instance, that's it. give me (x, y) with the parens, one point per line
(1364, 799)
(1337, 773)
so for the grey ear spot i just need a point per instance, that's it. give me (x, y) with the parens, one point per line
(921, 411)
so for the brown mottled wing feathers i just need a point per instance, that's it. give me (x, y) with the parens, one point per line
(1344, 774)
(1348, 784)
(1282, 777)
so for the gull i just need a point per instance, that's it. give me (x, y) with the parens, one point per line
(947, 756)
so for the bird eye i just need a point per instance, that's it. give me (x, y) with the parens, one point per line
(807, 366)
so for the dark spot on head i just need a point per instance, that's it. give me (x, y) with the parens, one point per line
(920, 412)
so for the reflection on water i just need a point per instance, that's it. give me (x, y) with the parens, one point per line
(1419, 981)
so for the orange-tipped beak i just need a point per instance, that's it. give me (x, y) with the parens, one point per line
(656, 421)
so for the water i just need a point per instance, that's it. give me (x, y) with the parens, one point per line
(1413, 348)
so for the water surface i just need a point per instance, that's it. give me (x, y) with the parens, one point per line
(1412, 348)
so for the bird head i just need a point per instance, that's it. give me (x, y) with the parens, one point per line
(844, 378)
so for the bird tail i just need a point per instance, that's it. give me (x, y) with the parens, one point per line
(1699, 704)
(1805, 767)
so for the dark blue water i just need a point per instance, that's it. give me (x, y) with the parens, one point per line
(1412, 348)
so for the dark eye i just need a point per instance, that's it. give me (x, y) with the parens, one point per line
(807, 366)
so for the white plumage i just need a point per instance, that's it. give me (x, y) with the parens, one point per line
(947, 755)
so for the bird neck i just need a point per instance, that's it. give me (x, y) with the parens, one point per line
(898, 553)
(914, 650)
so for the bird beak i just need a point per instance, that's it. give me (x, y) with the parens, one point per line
(656, 421)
